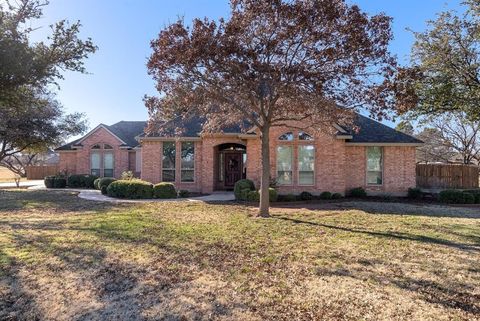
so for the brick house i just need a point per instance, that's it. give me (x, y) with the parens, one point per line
(377, 157)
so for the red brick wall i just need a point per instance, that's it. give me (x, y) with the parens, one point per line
(80, 162)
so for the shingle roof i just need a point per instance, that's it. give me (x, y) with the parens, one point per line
(370, 131)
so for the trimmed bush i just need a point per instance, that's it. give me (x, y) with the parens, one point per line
(95, 183)
(48, 181)
(325, 196)
(451, 196)
(105, 181)
(183, 193)
(81, 181)
(306, 196)
(287, 198)
(476, 194)
(59, 182)
(468, 198)
(243, 184)
(164, 190)
(103, 189)
(357, 192)
(337, 196)
(132, 189)
(253, 196)
(414, 193)
(272, 194)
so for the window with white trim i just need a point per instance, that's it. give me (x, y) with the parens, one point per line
(306, 164)
(284, 165)
(168, 162)
(102, 160)
(374, 165)
(95, 160)
(188, 162)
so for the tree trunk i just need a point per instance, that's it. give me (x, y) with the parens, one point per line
(265, 180)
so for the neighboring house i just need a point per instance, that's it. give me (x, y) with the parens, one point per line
(377, 157)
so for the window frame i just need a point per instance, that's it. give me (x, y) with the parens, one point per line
(298, 162)
(187, 168)
(104, 153)
(292, 163)
(174, 169)
(99, 153)
(381, 166)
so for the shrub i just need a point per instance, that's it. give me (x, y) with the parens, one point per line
(476, 194)
(127, 175)
(253, 196)
(103, 189)
(337, 196)
(287, 198)
(414, 193)
(95, 183)
(243, 184)
(451, 196)
(468, 198)
(325, 196)
(272, 194)
(48, 181)
(306, 196)
(105, 181)
(358, 192)
(59, 182)
(183, 193)
(81, 181)
(164, 190)
(134, 188)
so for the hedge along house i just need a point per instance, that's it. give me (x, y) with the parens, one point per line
(376, 157)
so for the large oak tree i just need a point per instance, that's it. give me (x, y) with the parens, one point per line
(305, 63)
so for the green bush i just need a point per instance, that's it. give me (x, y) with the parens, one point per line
(95, 183)
(243, 184)
(104, 190)
(325, 196)
(452, 196)
(48, 181)
(183, 193)
(468, 198)
(59, 182)
(357, 192)
(105, 181)
(81, 181)
(306, 196)
(164, 190)
(476, 194)
(132, 189)
(253, 196)
(287, 198)
(337, 196)
(414, 193)
(272, 194)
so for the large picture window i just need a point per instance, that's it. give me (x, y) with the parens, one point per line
(284, 165)
(95, 163)
(374, 165)
(168, 162)
(188, 162)
(102, 160)
(108, 164)
(306, 164)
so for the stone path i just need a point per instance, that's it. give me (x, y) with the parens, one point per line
(95, 195)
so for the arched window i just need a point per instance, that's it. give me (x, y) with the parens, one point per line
(286, 137)
(304, 136)
(102, 160)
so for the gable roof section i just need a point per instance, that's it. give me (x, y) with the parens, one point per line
(371, 132)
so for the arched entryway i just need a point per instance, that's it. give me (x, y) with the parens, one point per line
(230, 165)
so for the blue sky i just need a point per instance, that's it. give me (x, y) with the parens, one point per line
(122, 29)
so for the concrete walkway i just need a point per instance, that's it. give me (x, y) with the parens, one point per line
(96, 195)
(22, 184)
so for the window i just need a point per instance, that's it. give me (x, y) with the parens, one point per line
(188, 162)
(306, 164)
(108, 164)
(168, 162)
(304, 136)
(106, 146)
(95, 164)
(374, 165)
(286, 137)
(284, 165)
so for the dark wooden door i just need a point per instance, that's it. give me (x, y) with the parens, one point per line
(233, 168)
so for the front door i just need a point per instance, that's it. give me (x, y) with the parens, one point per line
(233, 168)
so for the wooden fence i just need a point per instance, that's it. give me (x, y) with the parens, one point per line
(447, 176)
(39, 172)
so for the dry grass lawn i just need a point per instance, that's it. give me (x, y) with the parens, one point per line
(63, 258)
(6, 175)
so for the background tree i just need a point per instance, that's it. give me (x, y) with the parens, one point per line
(31, 119)
(434, 149)
(406, 127)
(445, 71)
(273, 63)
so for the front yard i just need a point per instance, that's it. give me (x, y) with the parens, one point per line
(64, 258)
